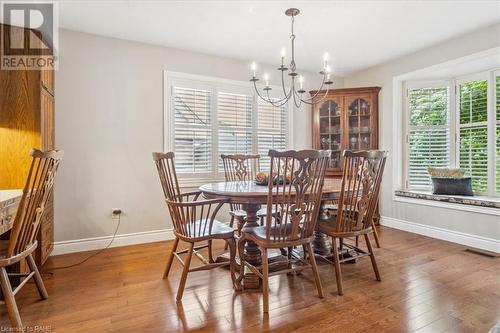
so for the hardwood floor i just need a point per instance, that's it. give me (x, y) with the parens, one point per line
(427, 285)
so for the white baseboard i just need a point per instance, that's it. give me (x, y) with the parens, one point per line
(97, 243)
(475, 241)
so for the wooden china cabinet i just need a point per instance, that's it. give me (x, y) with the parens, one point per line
(347, 119)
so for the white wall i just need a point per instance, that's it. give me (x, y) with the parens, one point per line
(480, 225)
(109, 114)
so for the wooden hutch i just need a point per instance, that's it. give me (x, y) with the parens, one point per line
(26, 121)
(346, 119)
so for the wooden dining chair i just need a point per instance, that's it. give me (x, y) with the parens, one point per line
(356, 207)
(22, 241)
(296, 203)
(240, 167)
(194, 222)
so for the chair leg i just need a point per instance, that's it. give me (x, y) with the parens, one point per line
(312, 260)
(265, 281)
(232, 262)
(38, 278)
(170, 258)
(338, 273)
(10, 301)
(210, 255)
(231, 224)
(375, 234)
(182, 283)
(241, 253)
(372, 257)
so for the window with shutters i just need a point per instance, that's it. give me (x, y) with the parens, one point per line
(428, 134)
(192, 130)
(473, 133)
(235, 124)
(206, 117)
(454, 123)
(271, 131)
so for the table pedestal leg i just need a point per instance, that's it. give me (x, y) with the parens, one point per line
(252, 251)
(321, 244)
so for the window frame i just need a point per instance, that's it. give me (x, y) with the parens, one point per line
(454, 126)
(215, 85)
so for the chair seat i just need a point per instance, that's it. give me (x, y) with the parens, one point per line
(200, 231)
(329, 227)
(258, 234)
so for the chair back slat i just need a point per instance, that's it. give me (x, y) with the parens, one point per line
(294, 193)
(190, 218)
(37, 190)
(240, 167)
(360, 188)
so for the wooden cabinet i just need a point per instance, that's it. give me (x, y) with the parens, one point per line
(347, 119)
(26, 121)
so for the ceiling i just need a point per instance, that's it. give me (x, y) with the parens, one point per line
(357, 34)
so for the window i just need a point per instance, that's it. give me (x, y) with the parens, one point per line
(473, 122)
(193, 130)
(454, 123)
(271, 131)
(207, 117)
(429, 132)
(235, 124)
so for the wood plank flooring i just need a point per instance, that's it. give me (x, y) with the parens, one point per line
(427, 285)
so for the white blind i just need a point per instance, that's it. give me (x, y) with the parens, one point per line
(192, 130)
(234, 113)
(429, 133)
(271, 131)
(473, 116)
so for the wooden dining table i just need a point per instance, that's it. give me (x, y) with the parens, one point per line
(251, 197)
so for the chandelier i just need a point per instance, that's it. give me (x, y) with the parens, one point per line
(292, 92)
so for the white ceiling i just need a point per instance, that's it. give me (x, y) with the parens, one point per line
(357, 34)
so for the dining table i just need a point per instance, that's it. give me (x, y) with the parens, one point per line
(251, 197)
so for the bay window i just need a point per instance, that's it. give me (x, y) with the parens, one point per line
(454, 123)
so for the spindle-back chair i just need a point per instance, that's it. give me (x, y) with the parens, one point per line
(294, 195)
(22, 241)
(194, 221)
(356, 207)
(240, 167)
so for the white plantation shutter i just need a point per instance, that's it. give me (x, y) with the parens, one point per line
(271, 130)
(428, 133)
(473, 117)
(192, 130)
(234, 112)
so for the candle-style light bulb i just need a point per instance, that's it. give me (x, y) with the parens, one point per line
(266, 78)
(325, 60)
(283, 53)
(254, 68)
(301, 81)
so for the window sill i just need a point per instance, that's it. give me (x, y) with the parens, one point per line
(476, 204)
(197, 182)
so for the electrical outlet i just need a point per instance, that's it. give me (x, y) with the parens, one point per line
(115, 213)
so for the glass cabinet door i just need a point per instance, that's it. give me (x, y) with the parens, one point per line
(330, 129)
(359, 114)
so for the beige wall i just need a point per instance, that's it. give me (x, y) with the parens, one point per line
(109, 114)
(462, 222)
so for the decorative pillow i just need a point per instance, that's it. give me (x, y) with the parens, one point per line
(452, 186)
(445, 172)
